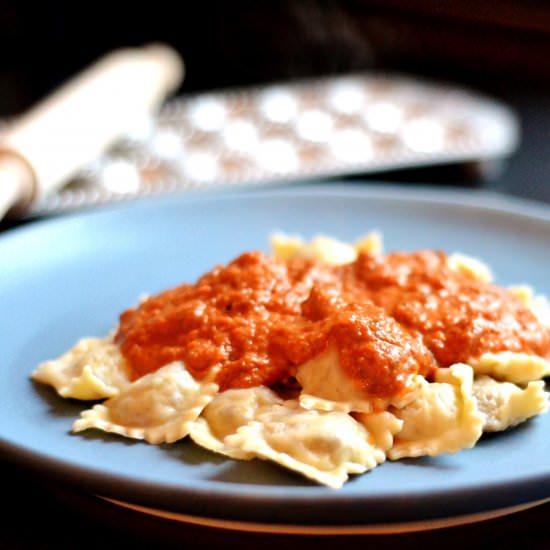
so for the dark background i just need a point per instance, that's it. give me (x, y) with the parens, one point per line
(501, 44)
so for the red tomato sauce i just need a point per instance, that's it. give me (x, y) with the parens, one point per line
(391, 316)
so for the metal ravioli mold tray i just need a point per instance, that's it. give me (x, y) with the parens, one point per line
(319, 128)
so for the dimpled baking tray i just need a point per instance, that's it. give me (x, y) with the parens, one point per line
(290, 132)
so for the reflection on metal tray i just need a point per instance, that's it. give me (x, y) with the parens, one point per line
(348, 125)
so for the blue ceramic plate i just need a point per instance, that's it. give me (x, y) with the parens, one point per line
(70, 277)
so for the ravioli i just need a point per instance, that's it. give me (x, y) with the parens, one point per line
(508, 366)
(159, 407)
(226, 413)
(327, 249)
(93, 369)
(504, 405)
(474, 268)
(311, 415)
(326, 387)
(324, 446)
(444, 419)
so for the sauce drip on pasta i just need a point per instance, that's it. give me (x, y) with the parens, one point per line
(389, 316)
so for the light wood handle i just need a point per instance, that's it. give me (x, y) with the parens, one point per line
(74, 125)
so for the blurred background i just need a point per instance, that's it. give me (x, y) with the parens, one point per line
(243, 42)
(501, 49)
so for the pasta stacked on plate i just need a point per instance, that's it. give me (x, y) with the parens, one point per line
(327, 415)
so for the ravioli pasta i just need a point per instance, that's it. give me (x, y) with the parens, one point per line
(323, 446)
(504, 405)
(92, 369)
(443, 419)
(324, 386)
(229, 411)
(160, 407)
(338, 410)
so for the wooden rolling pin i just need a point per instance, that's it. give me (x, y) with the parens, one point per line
(43, 148)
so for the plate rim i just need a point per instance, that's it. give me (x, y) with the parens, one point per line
(476, 198)
(327, 529)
